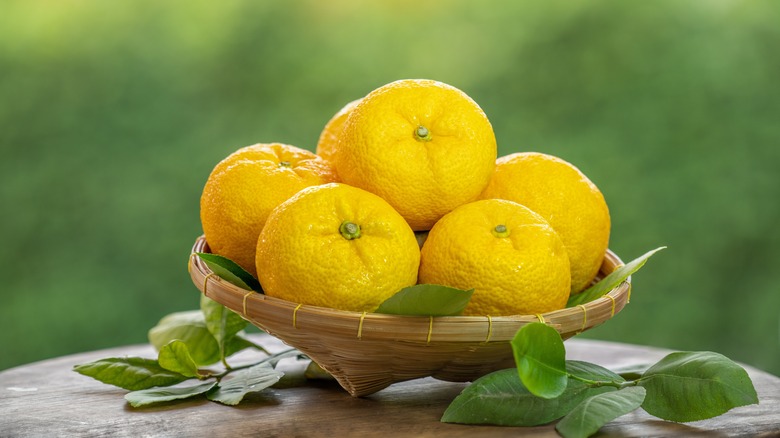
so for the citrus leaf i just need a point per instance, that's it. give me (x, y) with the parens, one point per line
(609, 282)
(158, 395)
(541, 359)
(221, 322)
(588, 417)
(231, 390)
(238, 343)
(691, 386)
(500, 398)
(131, 373)
(591, 371)
(427, 300)
(230, 271)
(175, 356)
(189, 327)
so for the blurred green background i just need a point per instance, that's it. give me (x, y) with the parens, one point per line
(112, 115)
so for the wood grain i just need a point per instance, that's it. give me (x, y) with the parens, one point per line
(47, 398)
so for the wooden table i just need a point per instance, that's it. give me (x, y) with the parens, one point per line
(49, 399)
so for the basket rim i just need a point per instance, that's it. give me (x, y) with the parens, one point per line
(258, 308)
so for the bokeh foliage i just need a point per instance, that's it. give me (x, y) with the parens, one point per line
(112, 114)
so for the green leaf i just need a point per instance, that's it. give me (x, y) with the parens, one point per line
(221, 322)
(609, 282)
(130, 373)
(691, 386)
(427, 300)
(238, 343)
(591, 371)
(541, 359)
(598, 410)
(232, 389)
(175, 356)
(230, 271)
(189, 327)
(158, 395)
(500, 398)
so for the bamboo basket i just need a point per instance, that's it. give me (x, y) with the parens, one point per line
(367, 352)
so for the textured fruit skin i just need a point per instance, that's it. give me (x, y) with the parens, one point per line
(523, 273)
(303, 257)
(242, 190)
(329, 137)
(422, 179)
(566, 198)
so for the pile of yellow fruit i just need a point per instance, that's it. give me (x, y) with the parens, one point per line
(405, 188)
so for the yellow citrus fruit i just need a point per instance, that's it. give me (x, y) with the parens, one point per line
(242, 190)
(566, 198)
(509, 255)
(326, 146)
(424, 146)
(336, 246)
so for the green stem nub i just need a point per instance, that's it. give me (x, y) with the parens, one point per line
(422, 133)
(501, 231)
(349, 230)
(285, 164)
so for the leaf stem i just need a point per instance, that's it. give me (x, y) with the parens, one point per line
(275, 356)
(258, 347)
(599, 383)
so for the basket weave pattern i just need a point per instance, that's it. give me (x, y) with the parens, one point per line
(367, 352)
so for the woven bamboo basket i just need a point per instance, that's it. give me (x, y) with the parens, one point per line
(367, 352)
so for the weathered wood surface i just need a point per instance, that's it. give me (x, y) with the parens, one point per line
(47, 399)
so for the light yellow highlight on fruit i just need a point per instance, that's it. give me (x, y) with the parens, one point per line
(510, 255)
(336, 246)
(243, 188)
(424, 146)
(566, 198)
(329, 137)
